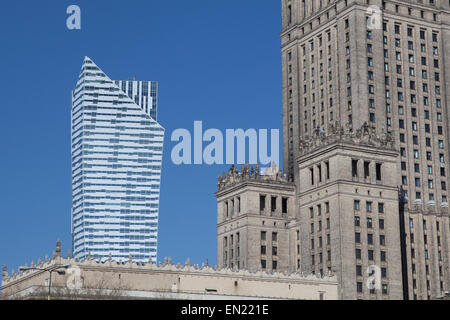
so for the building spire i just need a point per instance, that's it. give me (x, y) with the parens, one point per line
(57, 252)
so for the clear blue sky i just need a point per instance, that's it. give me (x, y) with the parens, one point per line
(215, 61)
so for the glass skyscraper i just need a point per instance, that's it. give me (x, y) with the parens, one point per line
(117, 147)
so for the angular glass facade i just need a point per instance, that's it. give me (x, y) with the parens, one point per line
(117, 147)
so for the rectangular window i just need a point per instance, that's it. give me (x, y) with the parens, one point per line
(356, 205)
(382, 240)
(262, 203)
(366, 169)
(358, 253)
(358, 270)
(274, 265)
(378, 171)
(357, 221)
(385, 288)
(284, 205)
(354, 168)
(370, 239)
(369, 206)
(273, 204)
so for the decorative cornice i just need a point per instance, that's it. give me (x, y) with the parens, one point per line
(364, 136)
(272, 174)
(167, 266)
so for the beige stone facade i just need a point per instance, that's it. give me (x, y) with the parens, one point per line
(90, 279)
(343, 218)
(349, 213)
(252, 214)
(384, 63)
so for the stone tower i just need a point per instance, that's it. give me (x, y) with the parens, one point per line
(349, 210)
(253, 213)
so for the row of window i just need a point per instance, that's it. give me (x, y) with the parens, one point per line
(369, 206)
(370, 240)
(231, 240)
(359, 272)
(273, 204)
(369, 225)
(231, 250)
(321, 174)
(384, 288)
(274, 238)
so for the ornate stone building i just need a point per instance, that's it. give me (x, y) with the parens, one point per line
(253, 212)
(95, 279)
(384, 63)
(342, 218)
(381, 67)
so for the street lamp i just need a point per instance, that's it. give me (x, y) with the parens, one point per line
(57, 270)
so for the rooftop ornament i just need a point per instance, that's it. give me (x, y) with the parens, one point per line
(366, 135)
(272, 173)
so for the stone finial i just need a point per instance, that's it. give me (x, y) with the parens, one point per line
(39, 261)
(150, 260)
(89, 255)
(110, 257)
(169, 261)
(130, 258)
(165, 261)
(207, 263)
(57, 252)
(188, 262)
(46, 258)
(257, 170)
(68, 254)
(5, 272)
(32, 264)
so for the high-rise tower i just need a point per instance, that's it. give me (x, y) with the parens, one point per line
(384, 63)
(117, 147)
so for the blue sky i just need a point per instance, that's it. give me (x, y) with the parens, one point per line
(215, 61)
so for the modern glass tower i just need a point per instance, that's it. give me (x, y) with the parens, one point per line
(117, 147)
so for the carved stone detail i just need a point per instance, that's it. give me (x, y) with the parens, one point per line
(366, 135)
